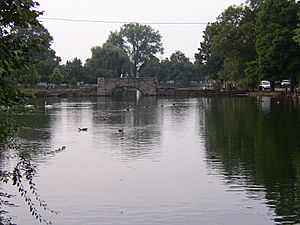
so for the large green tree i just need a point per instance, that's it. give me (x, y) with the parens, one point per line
(27, 76)
(56, 76)
(16, 50)
(235, 41)
(178, 69)
(207, 60)
(139, 41)
(74, 71)
(16, 46)
(107, 61)
(151, 68)
(278, 54)
(42, 61)
(182, 70)
(45, 63)
(229, 44)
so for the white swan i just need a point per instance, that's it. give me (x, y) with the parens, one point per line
(48, 106)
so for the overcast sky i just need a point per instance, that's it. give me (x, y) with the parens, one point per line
(75, 39)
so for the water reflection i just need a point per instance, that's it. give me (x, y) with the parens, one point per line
(178, 161)
(138, 120)
(256, 148)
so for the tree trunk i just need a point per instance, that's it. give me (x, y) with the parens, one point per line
(293, 83)
(135, 68)
(272, 85)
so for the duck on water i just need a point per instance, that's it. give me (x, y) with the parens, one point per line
(82, 129)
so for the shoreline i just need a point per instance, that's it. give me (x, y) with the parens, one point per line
(161, 92)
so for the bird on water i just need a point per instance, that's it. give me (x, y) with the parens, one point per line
(82, 129)
(47, 106)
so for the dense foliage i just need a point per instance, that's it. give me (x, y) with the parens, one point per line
(25, 53)
(13, 51)
(178, 69)
(297, 32)
(140, 42)
(73, 72)
(107, 61)
(22, 37)
(253, 42)
(278, 54)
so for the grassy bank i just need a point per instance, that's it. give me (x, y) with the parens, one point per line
(59, 92)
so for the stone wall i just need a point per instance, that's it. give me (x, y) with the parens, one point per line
(105, 86)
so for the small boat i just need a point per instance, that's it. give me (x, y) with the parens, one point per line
(121, 130)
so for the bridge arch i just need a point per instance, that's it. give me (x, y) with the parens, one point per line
(106, 86)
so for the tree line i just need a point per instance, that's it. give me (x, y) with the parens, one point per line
(259, 39)
(129, 51)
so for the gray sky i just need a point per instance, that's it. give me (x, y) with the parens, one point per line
(75, 39)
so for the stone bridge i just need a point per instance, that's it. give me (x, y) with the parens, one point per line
(106, 86)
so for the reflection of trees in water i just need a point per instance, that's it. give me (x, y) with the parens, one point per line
(255, 148)
(178, 110)
(138, 118)
(34, 132)
(137, 143)
(6, 129)
(226, 134)
(17, 164)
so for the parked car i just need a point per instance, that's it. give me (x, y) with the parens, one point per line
(264, 85)
(285, 83)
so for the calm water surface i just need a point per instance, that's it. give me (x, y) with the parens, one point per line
(179, 161)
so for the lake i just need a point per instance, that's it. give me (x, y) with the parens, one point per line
(178, 161)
